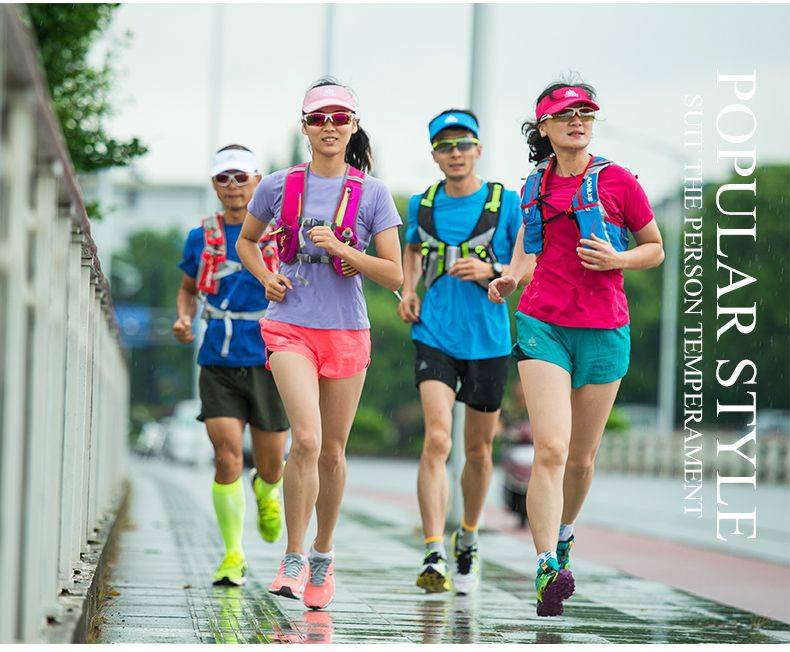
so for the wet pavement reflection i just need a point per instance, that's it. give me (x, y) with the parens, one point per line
(161, 588)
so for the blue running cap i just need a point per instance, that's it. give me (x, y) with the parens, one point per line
(452, 120)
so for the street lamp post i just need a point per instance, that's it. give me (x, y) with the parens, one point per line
(667, 354)
(215, 106)
(329, 27)
(479, 67)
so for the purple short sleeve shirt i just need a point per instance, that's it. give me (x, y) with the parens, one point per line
(321, 298)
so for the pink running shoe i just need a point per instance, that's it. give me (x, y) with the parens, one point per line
(321, 588)
(292, 577)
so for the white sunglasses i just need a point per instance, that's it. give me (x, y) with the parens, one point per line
(584, 113)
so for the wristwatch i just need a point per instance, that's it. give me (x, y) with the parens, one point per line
(498, 269)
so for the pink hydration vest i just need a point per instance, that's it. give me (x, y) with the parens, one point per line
(214, 262)
(290, 241)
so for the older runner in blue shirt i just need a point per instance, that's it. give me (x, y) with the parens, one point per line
(235, 387)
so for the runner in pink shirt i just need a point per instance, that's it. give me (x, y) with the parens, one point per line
(572, 321)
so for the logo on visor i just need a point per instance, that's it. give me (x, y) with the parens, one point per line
(571, 93)
(450, 118)
(328, 91)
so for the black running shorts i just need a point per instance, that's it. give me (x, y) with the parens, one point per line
(482, 381)
(246, 393)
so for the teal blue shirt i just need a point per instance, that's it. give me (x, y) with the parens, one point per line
(456, 316)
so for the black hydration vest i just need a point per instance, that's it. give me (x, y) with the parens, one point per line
(438, 256)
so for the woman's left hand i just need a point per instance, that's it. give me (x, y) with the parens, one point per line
(598, 254)
(324, 237)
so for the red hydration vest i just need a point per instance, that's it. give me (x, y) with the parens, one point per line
(290, 241)
(214, 263)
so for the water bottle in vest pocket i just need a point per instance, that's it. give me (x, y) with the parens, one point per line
(590, 221)
(533, 229)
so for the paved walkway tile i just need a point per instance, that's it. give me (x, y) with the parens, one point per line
(164, 594)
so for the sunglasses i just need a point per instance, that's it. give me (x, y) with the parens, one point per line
(318, 119)
(241, 178)
(463, 144)
(585, 114)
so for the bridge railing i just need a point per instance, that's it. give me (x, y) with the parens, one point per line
(648, 453)
(63, 378)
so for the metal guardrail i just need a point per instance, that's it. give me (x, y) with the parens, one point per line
(63, 378)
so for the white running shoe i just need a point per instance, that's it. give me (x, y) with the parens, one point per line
(434, 577)
(466, 576)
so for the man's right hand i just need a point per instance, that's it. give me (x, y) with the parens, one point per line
(276, 286)
(409, 308)
(182, 329)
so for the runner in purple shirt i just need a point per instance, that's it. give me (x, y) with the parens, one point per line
(316, 328)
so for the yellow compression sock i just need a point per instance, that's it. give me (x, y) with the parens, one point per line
(229, 505)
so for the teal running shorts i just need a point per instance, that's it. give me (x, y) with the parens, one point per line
(592, 356)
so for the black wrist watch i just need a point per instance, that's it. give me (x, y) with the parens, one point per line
(498, 269)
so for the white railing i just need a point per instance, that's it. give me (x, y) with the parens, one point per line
(648, 453)
(63, 379)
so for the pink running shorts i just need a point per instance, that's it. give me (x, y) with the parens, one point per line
(335, 353)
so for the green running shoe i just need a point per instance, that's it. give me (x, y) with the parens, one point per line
(232, 571)
(270, 517)
(552, 586)
(564, 553)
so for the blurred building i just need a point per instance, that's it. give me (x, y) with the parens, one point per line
(130, 203)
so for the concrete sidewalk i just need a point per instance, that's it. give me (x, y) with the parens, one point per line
(161, 585)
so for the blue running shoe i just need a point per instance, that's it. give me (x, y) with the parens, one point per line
(564, 553)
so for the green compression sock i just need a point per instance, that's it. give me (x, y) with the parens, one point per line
(229, 504)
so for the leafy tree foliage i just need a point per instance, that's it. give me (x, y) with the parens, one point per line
(80, 92)
(765, 259)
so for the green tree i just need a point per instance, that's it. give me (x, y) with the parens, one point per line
(80, 92)
(765, 260)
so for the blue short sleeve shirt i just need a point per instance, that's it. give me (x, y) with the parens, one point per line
(456, 316)
(244, 293)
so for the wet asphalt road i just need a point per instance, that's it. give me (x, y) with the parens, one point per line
(161, 584)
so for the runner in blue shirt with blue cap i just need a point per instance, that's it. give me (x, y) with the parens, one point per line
(461, 233)
(235, 387)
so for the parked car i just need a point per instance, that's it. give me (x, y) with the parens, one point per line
(187, 410)
(186, 440)
(151, 440)
(517, 458)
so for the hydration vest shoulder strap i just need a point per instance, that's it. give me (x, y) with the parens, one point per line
(348, 207)
(293, 192)
(587, 193)
(213, 256)
(489, 217)
(535, 185)
(425, 210)
(213, 232)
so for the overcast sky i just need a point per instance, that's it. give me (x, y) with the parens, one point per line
(408, 62)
